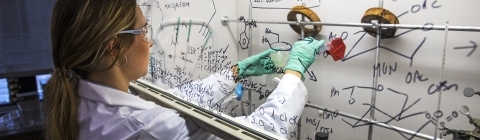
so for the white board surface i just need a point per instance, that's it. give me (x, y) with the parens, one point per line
(410, 65)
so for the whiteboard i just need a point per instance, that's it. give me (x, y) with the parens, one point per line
(410, 65)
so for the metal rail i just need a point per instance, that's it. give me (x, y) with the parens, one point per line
(249, 54)
(299, 127)
(375, 78)
(225, 21)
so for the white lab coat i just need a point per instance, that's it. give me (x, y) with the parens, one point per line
(110, 114)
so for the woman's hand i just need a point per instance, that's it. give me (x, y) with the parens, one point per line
(296, 73)
(256, 65)
(303, 54)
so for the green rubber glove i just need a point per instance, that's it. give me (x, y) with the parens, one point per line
(256, 65)
(303, 54)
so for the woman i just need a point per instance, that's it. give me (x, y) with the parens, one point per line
(99, 46)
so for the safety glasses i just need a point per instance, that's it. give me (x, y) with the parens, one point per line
(146, 31)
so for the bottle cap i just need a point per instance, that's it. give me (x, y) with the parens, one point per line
(336, 49)
(321, 136)
(239, 91)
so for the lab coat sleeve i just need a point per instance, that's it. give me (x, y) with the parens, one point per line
(214, 91)
(278, 115)
(169, 125)
(281, 112)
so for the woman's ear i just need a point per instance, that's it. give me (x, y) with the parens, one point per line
(111, 49)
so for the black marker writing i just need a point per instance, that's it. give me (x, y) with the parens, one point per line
(176, 5)
(343, 36)
(277, 41)
(414, 77)
(441, 86)
(384, 69)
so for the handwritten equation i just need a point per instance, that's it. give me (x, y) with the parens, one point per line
(176, 5)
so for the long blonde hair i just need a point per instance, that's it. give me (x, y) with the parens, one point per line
(80, 31)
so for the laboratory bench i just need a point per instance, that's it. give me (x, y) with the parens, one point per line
(22, 121)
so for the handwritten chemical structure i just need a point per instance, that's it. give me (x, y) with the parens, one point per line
(411, 78)
(400, 115)
(427, 27)
(244, 40)
(205, 29)
(277, 41)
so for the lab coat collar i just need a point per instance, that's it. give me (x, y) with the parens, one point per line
(110, 96)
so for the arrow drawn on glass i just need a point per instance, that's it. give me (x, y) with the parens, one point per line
(474, 47)
(311, 74)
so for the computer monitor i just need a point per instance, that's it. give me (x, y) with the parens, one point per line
(41, 81)
(25, 48)
(34, 87)
(4, 92)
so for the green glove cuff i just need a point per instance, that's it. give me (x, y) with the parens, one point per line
(295, 65)
(241, 69)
